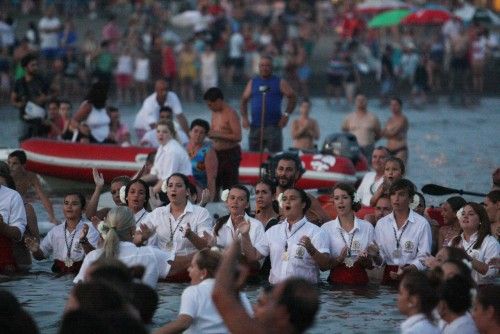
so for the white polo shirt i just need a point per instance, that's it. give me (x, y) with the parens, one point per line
(196, 302)
(415, 238)
(357, 240)
(166, 227)
(155, 261)
(227, 234)
(141, 216)
(298, 262)
(368, 187)
(171, 158)
(150, 110)
(489, 249)
(418, 324)
(12, 208)
(461, 325)
(59, 241)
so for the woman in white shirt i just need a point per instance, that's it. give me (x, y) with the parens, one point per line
(179, 227)
(67, 242)
(170, 157)
(117, 231)
(349, 237)
(477, 241)
(197, 312)
(137, 199)
(455, 300)
(417, 298)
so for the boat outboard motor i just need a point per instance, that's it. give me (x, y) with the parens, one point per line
(342, 144)
(270, 165)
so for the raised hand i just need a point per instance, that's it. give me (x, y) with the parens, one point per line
(244, 227)
(98, 178)
(32, 244)
(146, 232)
(84, 231)
(210, 239)
(372, 250)
(205, 197)
(186, 230)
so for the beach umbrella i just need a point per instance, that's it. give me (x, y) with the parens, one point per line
(377, 6)
(389, 18)
(427, 17)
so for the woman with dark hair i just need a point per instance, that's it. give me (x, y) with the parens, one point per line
(477, 241)
(93, 112)
(417, 299)
(486, 312)
(492, 205)
(180, 226)
(137, 199)
(197, 313)
(296, 246)
(451, 227)
(349, 237)
(455, 300)
(65, 241)
(266, 208)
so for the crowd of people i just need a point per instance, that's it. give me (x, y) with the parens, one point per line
(159, 229)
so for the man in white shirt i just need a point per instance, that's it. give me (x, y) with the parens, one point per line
(373, 179)
(150, 111)
(49, 27)
(403, 237)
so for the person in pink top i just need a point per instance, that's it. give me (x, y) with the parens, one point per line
(111, 33)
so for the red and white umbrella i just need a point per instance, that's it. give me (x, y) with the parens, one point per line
(378, 6)
(427, 17)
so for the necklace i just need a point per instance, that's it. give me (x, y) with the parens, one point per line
(170, 243)
(398, 253)
(284, 257)
(138, 220)
(68, 262)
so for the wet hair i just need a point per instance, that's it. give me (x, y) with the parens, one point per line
(463, 269)
(98, 94)
(145, 300)
(355, 206)
(494, 196)
(9, 180)
(455, 253)
(398, 161)
(398, 100)
(484, 226)
(303, 197)
(118, 224)
(419, 284)
(222, 220)
(455, 292)
(123, 179)
(209, 260)
(80, 196)
(489, 296)
(112, 272)
(166, 109)
(402, 184)
(301, 300)
(13, 318)
(98, 297)
(28, 59)
(170, 126)
(146, 190)
(213, 94)
(456, 202)
(200, 122)
(20, 155)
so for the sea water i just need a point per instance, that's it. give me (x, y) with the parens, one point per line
(454, 147)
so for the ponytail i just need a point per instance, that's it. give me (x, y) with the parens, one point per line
(115, 228)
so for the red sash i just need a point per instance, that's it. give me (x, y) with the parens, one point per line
(387, 280)
(348, 276)
(180, 277)
(60, 268)
(7, 261)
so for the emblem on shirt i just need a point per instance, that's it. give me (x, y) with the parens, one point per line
(322, 163)
(299, 253)
(408, 246)
(474, 253)
(356, 245)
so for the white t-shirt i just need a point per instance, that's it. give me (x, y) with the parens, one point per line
(368, 187)
(98, 121)
(418, 324)
(227, 234)
(462, 325)
(166, 226)
(125, 65)
(357, 240)
(236, 45)
(196, 302)
(150, 110)
(12, 208)
(58, 239)
(489, 249)
(297, 262)
(415, 239)
(171, 158)
(155, 261)
(48, 40)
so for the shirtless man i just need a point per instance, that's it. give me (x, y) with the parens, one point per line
(305, 130)
(225, 132)
(288, 172)
(396, 131)
(26, 181)
(364, 125)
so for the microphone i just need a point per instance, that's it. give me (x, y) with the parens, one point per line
(264, 89)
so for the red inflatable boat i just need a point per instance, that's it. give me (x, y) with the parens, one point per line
(74, 161)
